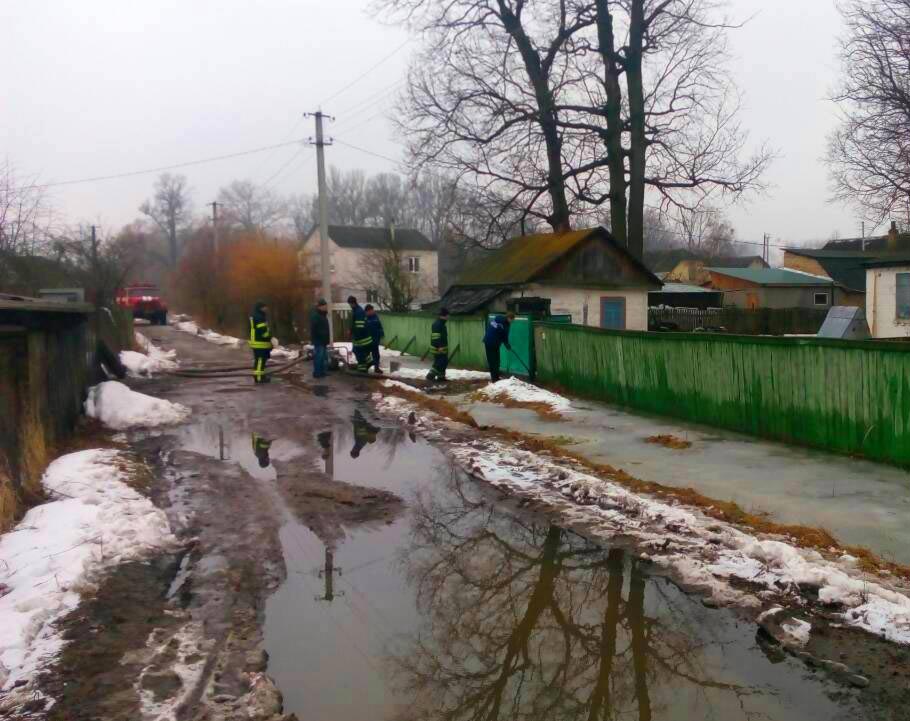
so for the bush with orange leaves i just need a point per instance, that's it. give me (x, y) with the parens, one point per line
(221, 291)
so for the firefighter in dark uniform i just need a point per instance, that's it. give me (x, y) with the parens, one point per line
(260, 342)
(439, 345)
(360, 336)
(261, 448)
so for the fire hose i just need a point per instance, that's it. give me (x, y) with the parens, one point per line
(245, 371)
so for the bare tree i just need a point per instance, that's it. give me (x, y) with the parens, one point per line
(704, 230)
(869, 153)
(26, 213)
(250, 207)
(170, 208)
(384, 272)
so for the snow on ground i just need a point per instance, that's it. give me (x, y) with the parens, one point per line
(399, 384)
(152, 359)
(733, 566)
(57, 552)
(453, 374)
(120, 407)
(523, 392)
(227, 340)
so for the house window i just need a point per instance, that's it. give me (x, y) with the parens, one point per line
(902, 296)
(821, 299)
(413, 265)
(372, 296)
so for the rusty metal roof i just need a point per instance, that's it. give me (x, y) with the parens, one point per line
(9, 301)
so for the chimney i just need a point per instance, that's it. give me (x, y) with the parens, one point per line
(893, 236)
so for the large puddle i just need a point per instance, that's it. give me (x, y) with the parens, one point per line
(469, 608)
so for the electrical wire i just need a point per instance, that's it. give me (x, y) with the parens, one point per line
(367, 72)
(148, 171)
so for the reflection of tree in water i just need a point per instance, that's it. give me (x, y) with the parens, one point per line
(528, 621)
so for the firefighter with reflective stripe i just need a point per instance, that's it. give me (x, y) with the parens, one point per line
(360, 336)
(261, 446)
(439, 345)
(260, 341)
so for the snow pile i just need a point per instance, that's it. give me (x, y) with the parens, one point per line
(187, 326)
(228, 340)
(152, 360)
(453, 374)
(59, 549)
(733, 566)
(119, 407)
(402, 386)
(523, 392)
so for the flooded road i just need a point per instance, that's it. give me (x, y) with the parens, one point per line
(466, 607)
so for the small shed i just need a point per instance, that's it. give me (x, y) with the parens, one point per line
(775, 288)
(888, 296)
(683, 295)
(584, 274)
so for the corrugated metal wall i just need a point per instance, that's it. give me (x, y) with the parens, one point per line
(843, 396)
(465, 332)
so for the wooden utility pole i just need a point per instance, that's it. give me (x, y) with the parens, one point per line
(214, 205)
(324, 261)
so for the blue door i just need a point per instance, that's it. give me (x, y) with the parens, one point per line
(613, 313)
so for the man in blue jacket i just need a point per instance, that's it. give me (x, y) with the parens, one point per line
(360, 336)
(374, 326)
(497, 335)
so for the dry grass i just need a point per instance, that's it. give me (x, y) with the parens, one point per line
(543, 410)
(9, 501)
(818, 539)
(669, 441)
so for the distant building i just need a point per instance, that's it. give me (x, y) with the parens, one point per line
(888, 296)
(355, 253)
(582, 273)
(775, 288)
(695, 271)
(681, 295)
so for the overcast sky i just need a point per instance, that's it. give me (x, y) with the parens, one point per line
(100, 87)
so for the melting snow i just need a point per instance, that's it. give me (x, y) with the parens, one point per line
(152, 360)
(120, 407)
(59, 549)
(453, 374)
(519, 390)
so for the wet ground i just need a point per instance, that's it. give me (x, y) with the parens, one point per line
(383, 584)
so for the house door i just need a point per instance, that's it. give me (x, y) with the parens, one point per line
(613, 313)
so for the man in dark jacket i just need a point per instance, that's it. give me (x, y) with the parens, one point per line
(439, 344)
(260, 341)
(374, 326)
(497, 335)
(319, 336)
(360, 335)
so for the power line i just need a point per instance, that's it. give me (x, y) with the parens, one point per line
(147, 171)
(366, 72)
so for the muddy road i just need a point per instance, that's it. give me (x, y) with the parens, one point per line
(334, 558)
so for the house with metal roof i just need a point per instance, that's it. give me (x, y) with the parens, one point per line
(356, 254)
(584, 273)
(694, 271)
(754, 288)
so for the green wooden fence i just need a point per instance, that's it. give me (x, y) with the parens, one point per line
(843, 396)
(412, 331)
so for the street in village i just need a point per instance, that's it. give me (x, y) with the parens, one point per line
(346, 553)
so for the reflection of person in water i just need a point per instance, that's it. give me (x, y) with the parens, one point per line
(261, 450)
(364, 433)
(325, 442)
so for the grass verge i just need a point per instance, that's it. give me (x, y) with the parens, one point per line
(669, 441)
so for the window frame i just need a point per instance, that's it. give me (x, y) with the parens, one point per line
(826, 295)
(414, 264)
(897, 299)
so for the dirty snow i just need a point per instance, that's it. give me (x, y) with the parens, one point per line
(150, 361)
(524, 392)
(798, 631)
(228, 340)
(94, 521)
(732, 566)
(120, 407)
(453, 374)
(399, 384)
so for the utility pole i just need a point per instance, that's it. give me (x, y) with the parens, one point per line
(214, 205)
(766, 247)
(864, 236)
(325, 267)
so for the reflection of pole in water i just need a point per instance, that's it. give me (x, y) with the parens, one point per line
(221, 442)
(327, 443)
(328, 575)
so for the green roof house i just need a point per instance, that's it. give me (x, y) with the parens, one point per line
(582, 273)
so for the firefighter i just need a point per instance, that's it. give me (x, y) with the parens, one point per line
(360, 336)
(260, 342)
(497, 335)
(261, 448)
(439, 344)
(374, 326)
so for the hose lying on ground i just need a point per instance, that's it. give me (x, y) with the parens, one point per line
(232, 371)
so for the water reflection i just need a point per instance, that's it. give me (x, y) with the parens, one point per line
(261, 446)
(524, 620)
(364, 433)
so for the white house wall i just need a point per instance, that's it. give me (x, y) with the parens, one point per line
(583, 304)
(347, 276)
(881, 302)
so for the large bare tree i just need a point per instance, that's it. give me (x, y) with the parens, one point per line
(170, 207)
(869, 153)
(250, 207)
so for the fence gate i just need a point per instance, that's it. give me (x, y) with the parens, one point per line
(521, 338)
